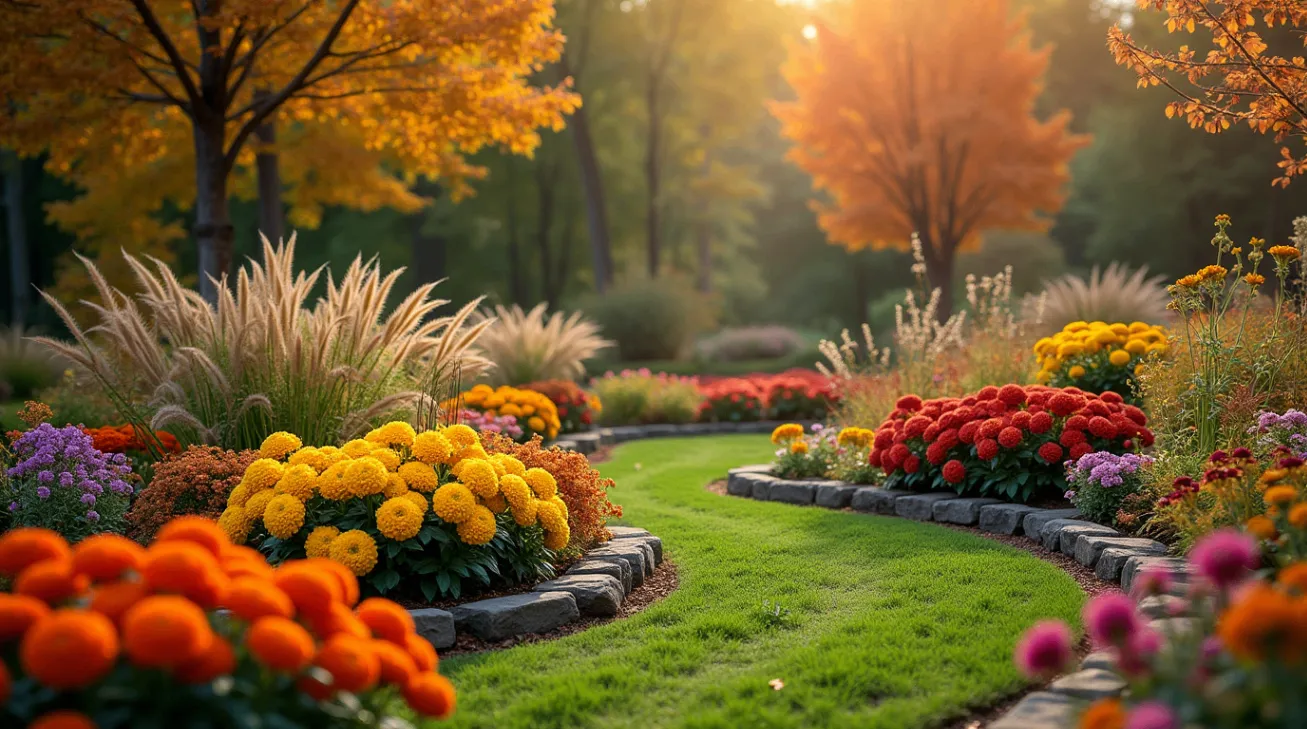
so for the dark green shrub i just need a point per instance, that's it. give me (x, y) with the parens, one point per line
(649, 320)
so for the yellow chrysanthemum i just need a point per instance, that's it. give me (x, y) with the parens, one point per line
(515, 490)
(257, 503)
(233, 522)
(283, 516)
(332, 484)
(500, 470)
(549, 516)
(1119, 357)
(460, 435)
(395, 486)
(1139, 369)
(279, 444)
(535, 423)
(473, 452)
(453, 502)
(799, 446)
(263, 474)
(312, 457)
(356, 550)
(238, 495)
(366, 476)
(1076, 372)
(511, 465)
(560, 505)
(357, 448)
(524, 513)
(557, 539)
(479, 476)
(399, 519)
(497, 503)
(418, 500)
(388, 458)
(432, 447)
(786, 433)
(394, 433)
(332, 455)
(479, 527)
(319, 541)
(419, 476)
(1069, 349)
(1136, 346)
(1043, 376)
(541, 482)
(298, 481)
(511, 409)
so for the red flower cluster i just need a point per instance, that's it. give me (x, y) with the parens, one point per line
(577, 410)
(795, 394)
(1008, 439)
(733, 400)
(125, 438)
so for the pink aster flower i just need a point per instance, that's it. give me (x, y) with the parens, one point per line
(1152, 581)
(1045, 649)
(1225, 557)
(1151, 715)
(1111, 619)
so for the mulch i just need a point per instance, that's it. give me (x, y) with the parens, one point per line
(663, 582)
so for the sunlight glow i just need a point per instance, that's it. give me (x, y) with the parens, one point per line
(810, 31)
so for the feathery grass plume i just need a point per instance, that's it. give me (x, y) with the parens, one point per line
(263, 359)
(528, 346)
(1112, 294)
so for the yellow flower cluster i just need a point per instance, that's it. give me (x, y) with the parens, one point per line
(1081, 346)
(534, 411)
(786, 433)
(295, 490)
(856, 437)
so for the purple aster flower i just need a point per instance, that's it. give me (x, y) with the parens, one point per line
(88, 499)
(93, 515)
(13, 506)
(66, 479)
(42, 493)
(45, 476)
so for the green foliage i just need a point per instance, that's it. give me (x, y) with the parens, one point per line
(76, 400)
(25, 366)
(634, 397)
(649, 319)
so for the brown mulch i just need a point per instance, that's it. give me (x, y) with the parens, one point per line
(717, 487)
(603, 453)
(663, 582)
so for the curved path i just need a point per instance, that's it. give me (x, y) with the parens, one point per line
(883, 622)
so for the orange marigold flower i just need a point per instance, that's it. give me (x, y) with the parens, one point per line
(62, 720)
(185, 568)
(1298, 516)
(280, 644)
(386, 619)
(422, 652)
(219, 660)
(18, 613)
(197, 529)
(242, 561)
(1294, 577)
(311, 590)
(397, 666)
(1103, 714)
(430, 694)
(1188, 281)
(1211, 273)
(165, 631)
(349, 584)
(1254, 279)
(53, 581)
(1262, 623)
(1285, 253)
(105, 557)
(23, 547)
(251, 598)
(350, 661)
(114, 599)
(1280, 495)
(338, 620)
(69, 649)
(1262, 527)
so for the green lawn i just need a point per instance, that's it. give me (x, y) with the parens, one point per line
(890, 623)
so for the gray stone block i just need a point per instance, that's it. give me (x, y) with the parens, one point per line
(1033, 523)
(1134, 566)
(1004, 518)
(834, 497)
(1099, 659)
(1090, 684)
(1163, 606)
(755, 468)
(919, 506)
(566, 444)
(882, 501)
(594, 594)
(661, 430)
(625, 532)
(623, 433)
(762, 486)
(638, 556)
(1050, 535)
(606, 436)
(436, 625)
(1169, 627)
(1089, 547)
(504, 617)
(654, 544)
(960, 511)
(619, 569)
(1111, 561)
(1040, 710)
(792, 492)
(740, 484)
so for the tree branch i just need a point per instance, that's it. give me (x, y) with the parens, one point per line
(169, 49)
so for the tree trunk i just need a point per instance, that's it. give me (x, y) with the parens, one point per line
(861, 290)
(516, 289)
(427, 252)
(564, 268)
(939, 272)
(20, 274)
(546, 184)
(213, 231)
(653, 234)
(592, 185)
(271, 218)
(703, 236)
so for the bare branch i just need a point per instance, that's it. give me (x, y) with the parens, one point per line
(169, 49)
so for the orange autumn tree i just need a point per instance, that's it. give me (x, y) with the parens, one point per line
(918, 117)
(1237, 79)
(97, 83)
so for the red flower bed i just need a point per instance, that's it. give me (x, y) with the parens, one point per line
(795, 394)
(1007, 442)
(577, 410)
(732, 400)
(125, 439)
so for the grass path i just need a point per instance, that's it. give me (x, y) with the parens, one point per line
(889, 623)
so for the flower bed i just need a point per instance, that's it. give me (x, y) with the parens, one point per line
(107, 633)
(1097, 356)
(535, 412)
(377, 505)
(61, 482)
(195, 481)
(634, 397)
(1008, 442)
(841, 454)
(127, 439)
(732, 400)
(577, 410)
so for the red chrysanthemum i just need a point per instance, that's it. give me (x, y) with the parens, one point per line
(988, 392)
(1077, 422)
(916, 426)
(912, 464)
(1037, 398)
(967, 433)
(987, 449)
(1072, 437)
(932, 430)
(899, 453)
(969, 400)
(884, 439)
(1013, 395)
(1135, 414)
(1098, 407)
(948, 438)
(1102, 427)
(1009, 437)
(931, 411)
(910, 403)
(1111, 397)
(1040, 423)
(936, 453)
(1050, 452)
(1080, 449)
(1021, 419)
(1146, 437)
(954, 471)
(963, 414)
(990, 428)
(1065, 403)
(874, 459)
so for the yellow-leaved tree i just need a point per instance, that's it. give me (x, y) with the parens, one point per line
(130, 95)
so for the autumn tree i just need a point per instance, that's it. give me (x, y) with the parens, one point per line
(1239, 79)
(424, 83)
(918, 117)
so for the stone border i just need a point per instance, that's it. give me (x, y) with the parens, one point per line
(593, 587)
(591, 441)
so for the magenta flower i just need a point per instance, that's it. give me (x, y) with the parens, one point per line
(1151, 715)
(1111, 619)
(1225, 557)
(1045, 649)
(1152, 581)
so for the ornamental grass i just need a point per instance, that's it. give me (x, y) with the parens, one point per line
(429, 514)
(195, 630)
(264, 359)
(528, 346)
